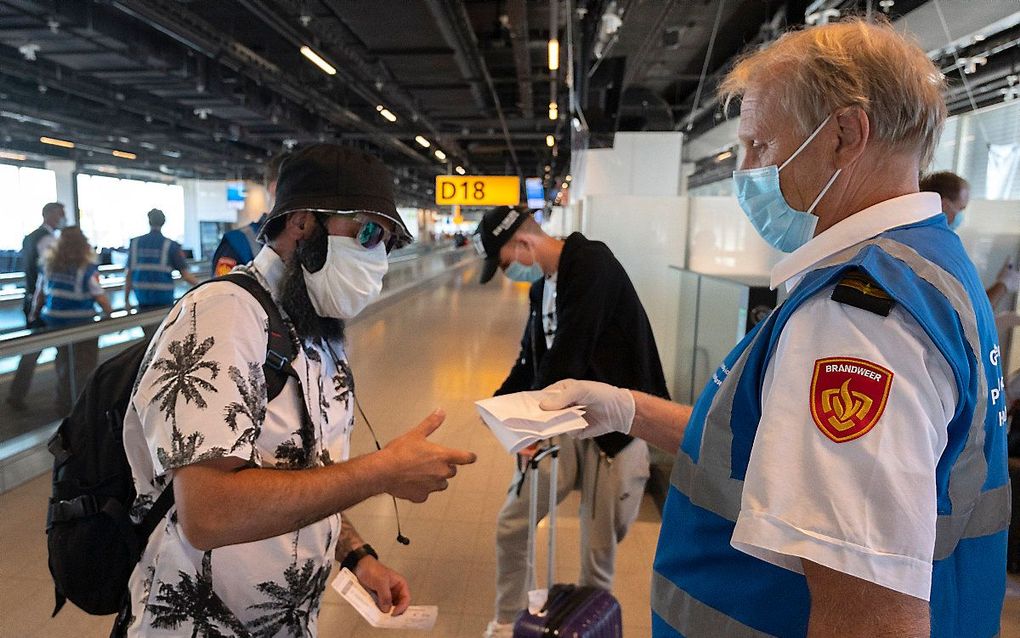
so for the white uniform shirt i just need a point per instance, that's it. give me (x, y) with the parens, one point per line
(201, 395)
(867, 506)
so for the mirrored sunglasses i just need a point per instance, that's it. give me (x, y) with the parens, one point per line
(373, 233)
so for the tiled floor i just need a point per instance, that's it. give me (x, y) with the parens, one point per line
(446, 346)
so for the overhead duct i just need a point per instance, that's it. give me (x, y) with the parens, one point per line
(452, 19)
(518, 13)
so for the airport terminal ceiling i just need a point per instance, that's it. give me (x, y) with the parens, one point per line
(212, 88)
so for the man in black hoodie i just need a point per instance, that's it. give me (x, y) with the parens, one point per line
(586, 322)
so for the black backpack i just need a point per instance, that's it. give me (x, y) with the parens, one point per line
(93, 543)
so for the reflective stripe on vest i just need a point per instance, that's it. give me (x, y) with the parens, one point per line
(68, 295)
(150, 264)
(691, 617)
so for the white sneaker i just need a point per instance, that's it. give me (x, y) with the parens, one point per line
(498, 629)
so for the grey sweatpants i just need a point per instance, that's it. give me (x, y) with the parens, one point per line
(611, 491)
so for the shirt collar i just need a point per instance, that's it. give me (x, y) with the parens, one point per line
(862, 225)
(271, 267)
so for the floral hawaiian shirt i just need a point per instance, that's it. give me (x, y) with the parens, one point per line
(201, 394)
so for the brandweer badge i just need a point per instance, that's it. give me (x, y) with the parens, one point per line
(848, 396)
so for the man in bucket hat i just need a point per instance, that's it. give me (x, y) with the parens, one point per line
(261, 486)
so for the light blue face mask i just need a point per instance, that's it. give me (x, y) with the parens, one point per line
(762, 200)
(957, 221)
(519, 272)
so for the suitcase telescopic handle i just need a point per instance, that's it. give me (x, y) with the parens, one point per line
(552, 451)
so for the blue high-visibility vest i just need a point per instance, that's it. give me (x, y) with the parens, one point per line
(68, 298)
(245, 242)
(151, 263)
(702, 586)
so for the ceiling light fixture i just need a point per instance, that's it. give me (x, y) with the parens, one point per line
(55, 142)
(18, 157)
(460, 170)
(550, 141)
(421, 140)
(554, 54)
(124, 155)
(554, 112)
(317, 60)
(386, 113)
(971, 64)
(440, 155)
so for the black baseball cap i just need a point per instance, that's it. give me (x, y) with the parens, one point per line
(496, 228)
(338, 179)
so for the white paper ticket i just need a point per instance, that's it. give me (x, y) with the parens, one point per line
(416, 616)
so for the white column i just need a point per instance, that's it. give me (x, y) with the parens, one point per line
(66, 192)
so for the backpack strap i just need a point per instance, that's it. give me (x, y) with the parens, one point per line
(155, 515)
(280, 350)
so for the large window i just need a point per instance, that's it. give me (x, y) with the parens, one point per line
(114, 210)
(24, 190)
(984, 148)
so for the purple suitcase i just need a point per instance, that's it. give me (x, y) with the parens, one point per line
(570, 611)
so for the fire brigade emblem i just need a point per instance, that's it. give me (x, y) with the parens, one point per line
(848, 396)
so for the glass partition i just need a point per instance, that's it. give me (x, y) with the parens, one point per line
(113, 210)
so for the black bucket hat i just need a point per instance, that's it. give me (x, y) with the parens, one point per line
(332, 178)
(496, 228)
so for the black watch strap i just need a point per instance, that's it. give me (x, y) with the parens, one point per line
(354, 556)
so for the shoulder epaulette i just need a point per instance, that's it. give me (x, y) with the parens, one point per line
(857, 289)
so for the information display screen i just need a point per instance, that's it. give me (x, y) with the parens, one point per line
(535, 192)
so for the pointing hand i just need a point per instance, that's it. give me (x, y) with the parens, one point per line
(420, 467)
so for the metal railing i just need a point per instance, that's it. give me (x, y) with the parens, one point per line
(19, 342)
(111, 277)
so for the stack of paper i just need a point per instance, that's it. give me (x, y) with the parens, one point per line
(517, 421)
(415, 617)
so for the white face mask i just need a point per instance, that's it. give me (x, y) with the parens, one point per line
(350, 279)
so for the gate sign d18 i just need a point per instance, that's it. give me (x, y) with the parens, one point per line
(478, 190)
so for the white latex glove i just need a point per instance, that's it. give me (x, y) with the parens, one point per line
(1009, 277)
(606, 407)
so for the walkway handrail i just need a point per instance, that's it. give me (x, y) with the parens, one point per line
(8, 278)
(21, 342)
(24, 341)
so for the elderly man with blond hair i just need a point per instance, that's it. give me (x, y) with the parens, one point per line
(844, 471)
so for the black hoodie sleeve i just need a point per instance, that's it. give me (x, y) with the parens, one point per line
(586, 297)
(522, 375)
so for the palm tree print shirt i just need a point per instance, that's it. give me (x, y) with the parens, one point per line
(201, 394)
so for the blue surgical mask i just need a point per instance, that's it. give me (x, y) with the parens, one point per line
(957, 221)
(519, 272)
(762, 200)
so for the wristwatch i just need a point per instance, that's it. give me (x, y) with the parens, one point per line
(354, 556)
